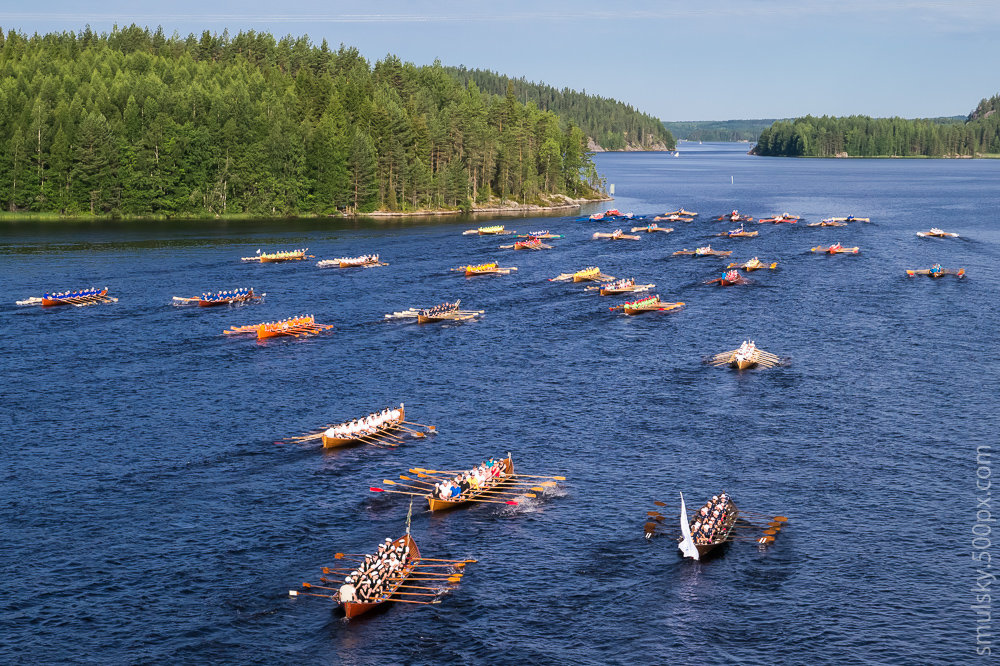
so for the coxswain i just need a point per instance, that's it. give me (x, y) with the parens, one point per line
(346, 593)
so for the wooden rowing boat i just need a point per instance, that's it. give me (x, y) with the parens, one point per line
(672, 218)
(444, 312)
(232, 297)
(438, 504)
(545, 234)
(734, 216)
(729, 278)
(389, 426)
(590, 274)
(364, 261)
(828, 223)
(528, 244)
(353, 609)
(936, 233)
(78, 298)
(849, 218)
(492, 230)
(739, 233)
(277, 257)
(484, 269)
(707, 546)
(681, 213)
(628, 286)
(650, 228)
(778, 219)
(936, 271)
(647, 304)
(617, 234)
(753, 265)
(836, 248)
(746, 356)
(706, 251)
(293, 327)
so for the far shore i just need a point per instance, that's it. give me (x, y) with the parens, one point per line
(510, 209)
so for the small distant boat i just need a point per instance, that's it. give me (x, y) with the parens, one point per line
(778, 219)
(836, 248)
(624, 286)
(77, 298)
(729, 279)
(936, 271)
(647, 304)
(592, 273)
(491, 268)
(936, 233)
(649, 228)
(746, 356)
(492, 230)
(830, 222)
(706, 251)
(277, 257)
(739, 233)
(849, 218)
(753, 265)
(439, 313)
(364, 261)
(617, 234)
(529, 243)
(230, 297)
(734, 216)
(293, 327)
(545, 234)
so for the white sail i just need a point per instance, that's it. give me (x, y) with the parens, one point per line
(687, 546)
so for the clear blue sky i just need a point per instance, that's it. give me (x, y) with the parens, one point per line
(691, 60)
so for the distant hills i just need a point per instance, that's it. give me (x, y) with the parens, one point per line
(608, 123)
(719, 130)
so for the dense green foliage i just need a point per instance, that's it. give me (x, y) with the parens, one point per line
(136, 123)
(611, 124)
(862, 136)
(718, 130)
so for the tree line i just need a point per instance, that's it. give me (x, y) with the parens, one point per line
(135, 122)
(611, 124)
(863, 136)
(718, 130)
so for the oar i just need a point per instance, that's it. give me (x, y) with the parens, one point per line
(296, 593)
(432, 559)
(536, 476)
(421, 425)
(398, 492)
(415, 433)
(428, 577)
(319, 587)
(406, 601)
(390, 482)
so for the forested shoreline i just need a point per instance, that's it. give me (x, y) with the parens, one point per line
(137, 123)
(609, 123)
(978, 135)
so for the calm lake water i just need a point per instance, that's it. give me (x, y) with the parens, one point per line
(151, 515)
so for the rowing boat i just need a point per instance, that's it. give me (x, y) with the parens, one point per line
(706, 251)
(528, 244)
(77, 298)
(353, 609)
(293, 327)
(484, 269)
(364, 261)
(682, 213)
(232, 297)
(729, 278)
(647, 304)
(545, 233)
(620, 287)
(649, 228)
(747, 355)
(492, 230)
(936, 271)
(849, 218)
(778, 219)
(340, 435)
(444, 312)
(592, 273)
(672, 218)
(617, 234)
(836, 248)
(734, 216)
(753, 265)
(276, 257)
(830, 222)
(694, 543)
(466, 498)
(936, 233)
(611, 214)
(738, 233)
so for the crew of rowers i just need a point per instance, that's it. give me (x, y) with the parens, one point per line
(93, 291)
(481, 267)
(734, 232)
(291, 322)
(283, 254)
(227, 295)
(366, 426)
(439, 309)
(709, 521)
(746, 350)
(373, 579)
(623, 283)
(642, 301)
(363, 259)
(490, 230)
(486, 474)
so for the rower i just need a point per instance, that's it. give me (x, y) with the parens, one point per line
(346, 593)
